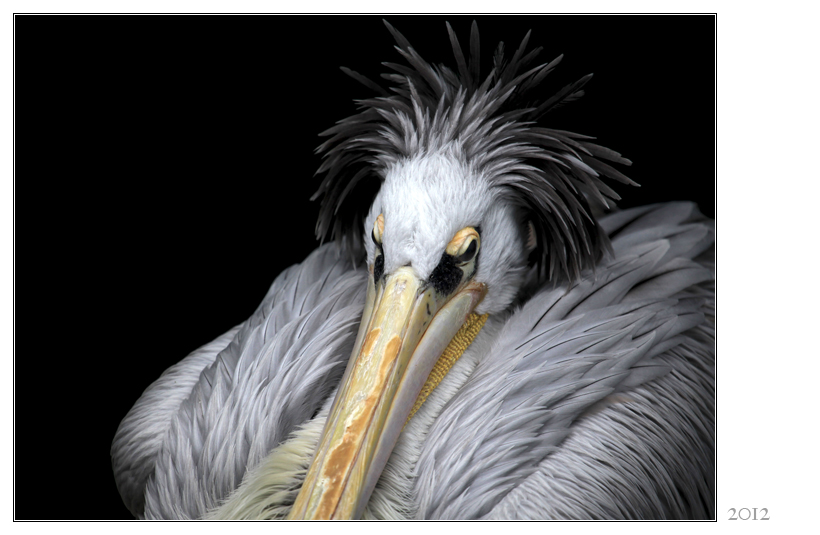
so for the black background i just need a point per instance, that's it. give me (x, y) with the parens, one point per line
(164, 166)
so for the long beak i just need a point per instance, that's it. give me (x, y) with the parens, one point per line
(405, 328)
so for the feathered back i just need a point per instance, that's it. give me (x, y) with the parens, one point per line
(491, 124)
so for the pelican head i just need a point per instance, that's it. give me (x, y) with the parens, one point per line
(470, 191)
(440, 217)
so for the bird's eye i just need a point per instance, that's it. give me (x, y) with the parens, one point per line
(464, 245)
(378, 230)
(469, 252)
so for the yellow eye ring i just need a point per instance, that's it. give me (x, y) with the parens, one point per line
(378, 230)
(464, 245)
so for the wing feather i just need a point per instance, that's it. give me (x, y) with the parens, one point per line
(140, 434)
(190, 438)
(626, 354)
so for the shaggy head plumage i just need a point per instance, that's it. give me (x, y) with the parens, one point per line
(551, 175)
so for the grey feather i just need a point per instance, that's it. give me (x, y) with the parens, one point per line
(235, 413)
(556, 359)
(594, 400)
(140, 434)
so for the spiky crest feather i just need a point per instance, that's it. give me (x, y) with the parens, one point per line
(552, 175)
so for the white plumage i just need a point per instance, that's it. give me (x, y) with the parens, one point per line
(530, 391)
(586, 395)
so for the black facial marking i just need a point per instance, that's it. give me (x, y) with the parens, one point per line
(447, 275)
(378, 267)
(373, 237)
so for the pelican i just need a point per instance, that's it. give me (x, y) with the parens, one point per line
(485, 335)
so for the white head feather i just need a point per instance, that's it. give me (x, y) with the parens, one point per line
(426, 200)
